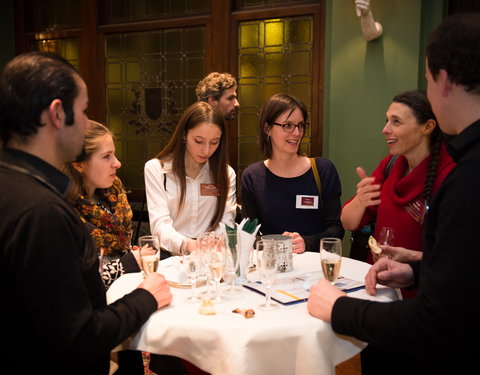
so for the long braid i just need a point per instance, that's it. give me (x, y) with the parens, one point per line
(435, 146)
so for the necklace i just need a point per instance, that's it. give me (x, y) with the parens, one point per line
(103, 207)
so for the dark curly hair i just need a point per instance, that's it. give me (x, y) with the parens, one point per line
(451, 46)
(28, 84)
(418, 102)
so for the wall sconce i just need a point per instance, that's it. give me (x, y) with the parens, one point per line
(370, 29)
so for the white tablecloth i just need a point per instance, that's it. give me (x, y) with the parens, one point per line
(286, 341)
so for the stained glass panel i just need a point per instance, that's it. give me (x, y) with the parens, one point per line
(51, 15)
(151, 80)
(67, 48)
(275, 55)
(134, 10)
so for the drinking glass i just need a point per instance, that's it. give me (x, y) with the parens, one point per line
(331, 257)
(267, 262)
(386, 236)
(217, 264)
(232, 258)
(149, 254)
(192, 263)
(205, 242)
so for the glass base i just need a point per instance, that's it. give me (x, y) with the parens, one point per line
(193, 299)
(268, 306)
(232, 291)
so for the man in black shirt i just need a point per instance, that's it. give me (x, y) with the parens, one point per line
(54, 309)
(438, 331)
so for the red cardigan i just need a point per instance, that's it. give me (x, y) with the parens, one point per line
(399, 190)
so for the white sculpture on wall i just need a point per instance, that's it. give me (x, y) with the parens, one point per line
(371, 30)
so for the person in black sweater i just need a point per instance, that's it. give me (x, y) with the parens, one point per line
(437, 331)
(54, 303)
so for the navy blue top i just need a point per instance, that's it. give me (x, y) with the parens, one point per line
(276, 202)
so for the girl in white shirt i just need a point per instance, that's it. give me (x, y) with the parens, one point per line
(190, 187)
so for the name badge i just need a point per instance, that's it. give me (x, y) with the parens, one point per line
(308, 202)
(209, 190)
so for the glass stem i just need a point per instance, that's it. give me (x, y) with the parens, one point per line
(194, 287)
(268, 296)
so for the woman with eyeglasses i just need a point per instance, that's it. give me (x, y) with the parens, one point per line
(281, 191)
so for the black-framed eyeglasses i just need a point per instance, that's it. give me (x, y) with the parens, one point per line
(289, 127)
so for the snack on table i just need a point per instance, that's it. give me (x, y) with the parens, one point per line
(207, 307)
(373, 244)
(249, 313)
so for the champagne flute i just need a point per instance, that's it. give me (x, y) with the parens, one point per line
(267, 262)
(331, 257)
(217, 265)
(192, 262)
(149, 254)
(386, 237)
(232, 249)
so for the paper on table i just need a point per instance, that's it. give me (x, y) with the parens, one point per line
(290, 291)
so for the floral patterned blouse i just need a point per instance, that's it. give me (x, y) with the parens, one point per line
(109, 221)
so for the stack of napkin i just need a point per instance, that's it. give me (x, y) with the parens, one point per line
(246, 235)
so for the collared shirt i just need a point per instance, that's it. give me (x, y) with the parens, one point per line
(174, 225)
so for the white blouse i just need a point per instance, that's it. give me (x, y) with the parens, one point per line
(163, 194)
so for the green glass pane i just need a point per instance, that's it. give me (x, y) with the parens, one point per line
(300, 63)
(249, 95)
(249, 126)
(249, 65)
(274, 64)
(195, 68)
(114, 97)
(113, 46)
(115, 123)
(274, 33)
(114, 73)
(249, 35)
(173, 41)
(134, 151)
(137, 9)
(152, 43)
(248, 153)
(133, 72)
(300, 32)
(194, 41)
(174, 69)
(133, 44)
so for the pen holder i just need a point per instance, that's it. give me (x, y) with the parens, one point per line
(284, 251)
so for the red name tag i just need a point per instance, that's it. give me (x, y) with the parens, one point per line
(209, 190)
(308, 201)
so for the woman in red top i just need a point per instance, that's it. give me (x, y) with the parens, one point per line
(398, 195)
(400, 198)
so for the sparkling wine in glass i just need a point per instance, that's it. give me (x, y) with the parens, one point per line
(386, 236)
(267, 262)
(217, 265)
(149, 254)
(331, 258)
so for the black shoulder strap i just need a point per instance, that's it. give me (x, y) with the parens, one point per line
(165, 181)
(390, 165)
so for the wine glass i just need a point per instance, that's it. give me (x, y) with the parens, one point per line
(149, 254)
(386, 236)
(267, 262)
(217, 264)
(232, 249)
(331, 257)
(192, 263)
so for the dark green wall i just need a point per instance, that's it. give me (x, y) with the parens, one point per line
(7, 36)
(362, 77)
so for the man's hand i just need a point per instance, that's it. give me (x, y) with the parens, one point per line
(389, 273)
(322, 298)
(159, 288)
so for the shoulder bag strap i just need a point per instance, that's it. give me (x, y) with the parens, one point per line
(317, 179)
